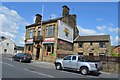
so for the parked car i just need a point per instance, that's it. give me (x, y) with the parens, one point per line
(22, 57)
(78, 63)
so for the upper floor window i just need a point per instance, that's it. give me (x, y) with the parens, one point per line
(39, 31)
(7, 44)
(50, 30)
(80, 44)
(102, 44)
(31, 33)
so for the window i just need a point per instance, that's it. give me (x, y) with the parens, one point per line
(31, 33)
(81, 59)
(5, 50)
(101, 56)
(49, 49)
(7, 44)
(80, 44)
(67, 58)
(102, 44)
(50, 30)
(39, 31)
(80, 53)
(74, 58)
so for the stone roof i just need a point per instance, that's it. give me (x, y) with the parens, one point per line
(45, 22)
(2, 38)
(93, 38)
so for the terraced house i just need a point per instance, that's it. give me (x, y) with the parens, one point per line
(46, 40)
(55, 38)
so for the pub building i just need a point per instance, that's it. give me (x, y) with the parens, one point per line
(47, 40)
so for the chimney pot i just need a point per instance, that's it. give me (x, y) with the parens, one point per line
(65, 11)
(38, 18)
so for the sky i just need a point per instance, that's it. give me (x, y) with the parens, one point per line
(93, 18)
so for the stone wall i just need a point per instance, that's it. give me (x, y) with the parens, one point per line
(112, 67)
(95, 49)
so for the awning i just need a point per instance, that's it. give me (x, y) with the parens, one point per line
(48, 42)
(29, 43)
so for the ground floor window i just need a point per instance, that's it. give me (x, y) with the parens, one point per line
(49, 49)
(101, 56)
(80, 53)
(29, 49)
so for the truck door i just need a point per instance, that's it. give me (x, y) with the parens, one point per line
(74, 62)
(67, 62)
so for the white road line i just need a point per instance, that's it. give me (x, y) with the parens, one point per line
(105, 72)
(8, 58)
(40, 73)
(41, 66)
(8, 64)
(79, 74)
(70, 73)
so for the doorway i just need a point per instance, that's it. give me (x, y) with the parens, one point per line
(37, 53)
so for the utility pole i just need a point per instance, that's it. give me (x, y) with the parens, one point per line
(41, 29)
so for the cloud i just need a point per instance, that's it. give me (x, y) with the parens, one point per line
(99, 19)
(22, 39)
(53, 16)
(115, 40)
(108, 28)
(85, 31)
(34, 17)
(101, 28)
(8, 35)
(11, 22)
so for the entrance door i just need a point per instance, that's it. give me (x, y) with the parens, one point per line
(37, 53)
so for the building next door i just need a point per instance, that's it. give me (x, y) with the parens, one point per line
(37, 53)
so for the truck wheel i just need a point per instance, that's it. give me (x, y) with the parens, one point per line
(84, 70)
(58, 66)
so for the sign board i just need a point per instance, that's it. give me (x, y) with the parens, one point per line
(65, 32)
(29, 41)
(49, 40)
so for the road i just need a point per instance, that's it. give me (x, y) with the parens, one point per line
(14, 69)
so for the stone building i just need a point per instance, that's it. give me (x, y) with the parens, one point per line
(6, 46)
(116, 49)
(45, 40)
(98, 45)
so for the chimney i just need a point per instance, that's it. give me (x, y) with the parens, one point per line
(65, 11)
(38, 18)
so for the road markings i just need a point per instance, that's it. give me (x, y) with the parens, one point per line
(8, 64)
(79, 74)
(44, 66)
(105, 72)
(40, 73)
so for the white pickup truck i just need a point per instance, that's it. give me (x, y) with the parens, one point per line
(78, 63)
